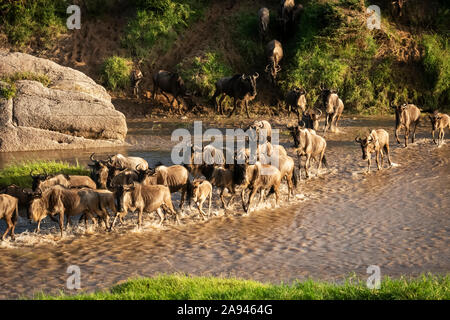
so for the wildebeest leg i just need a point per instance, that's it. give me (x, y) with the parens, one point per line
(414, 131)
(199, 207)
(406, 136)
(243, 200)
(219, 105)
(235, 105)
(246, 108)
(441, 136)
(141, 211)
(432, 134)
(161, 216)
(261, 196)
(386, 149)
(396, 133)
(337, 119)
(183, 195)
(369, 162)
(377, 155)
(277, 194)
(61, 222)
(38, 229)
(327, 120)
(209, 205)
(250, 198)
(222, 199)
(10, 225)
(114, 221)
(381, 157)
(308, 160)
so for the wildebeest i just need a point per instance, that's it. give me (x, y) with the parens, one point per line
(286, 165)
(122, 162)
(310, 118)
(285, 12)
(266, 177)
(24, 195)
(9, 211)
(175, 177)
(406, 115)
(99, 172)
(263, 22)
(274, 54)
(170, 82)
(263, 130)
(295, 100)
(221, 178)
(333, 108)
(141, 197)
(310, 145)
(240, 87)
(60, 201)
(202, 190)
(42, 182)
(296, 13)
(136, 78)
(375, 142)
(124, 177)
(439, 121)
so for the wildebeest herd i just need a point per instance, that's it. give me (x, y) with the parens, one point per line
(119, 184)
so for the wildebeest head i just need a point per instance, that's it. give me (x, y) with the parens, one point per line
(368, 145)
(311, 118)
(434, 118)
(37, 180)
(178, 83)
(295, 133)
(247, 84)
(142, 174)
(99, 172)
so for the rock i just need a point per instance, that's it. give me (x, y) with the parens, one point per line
(73, 112)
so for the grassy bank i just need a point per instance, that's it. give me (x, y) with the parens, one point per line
(19, 174)
(174, 287)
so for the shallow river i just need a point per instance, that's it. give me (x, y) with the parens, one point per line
(340, 223)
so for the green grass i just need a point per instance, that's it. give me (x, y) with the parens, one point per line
(116, 72)
(174, 287)
(19, 174)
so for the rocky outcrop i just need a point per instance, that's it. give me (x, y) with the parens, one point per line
(72, 112)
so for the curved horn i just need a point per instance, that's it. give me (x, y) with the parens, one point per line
(31, 175)
(137, 167)
(278, 68)
(319, 111)
(302, 126)
(267, 68)
(357, 139)
(256, 75)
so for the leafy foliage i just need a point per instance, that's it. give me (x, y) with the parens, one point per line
(116, 72)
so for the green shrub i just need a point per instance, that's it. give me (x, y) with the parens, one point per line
(19, 174)
(43, 19)
(116, 72)
(436, 63)
(7, 91)
(202, 72)
(245, 35)
(155, 22)
(42, 78)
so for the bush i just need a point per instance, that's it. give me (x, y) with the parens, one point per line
(7, 91)
(202, 72)
(245, 34)
(436, 63)
(116, 72)
(40, 18)
(155, 20)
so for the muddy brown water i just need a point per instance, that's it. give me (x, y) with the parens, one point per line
(341, 222)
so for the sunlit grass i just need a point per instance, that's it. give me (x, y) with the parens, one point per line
(19, 174)
(178, 286)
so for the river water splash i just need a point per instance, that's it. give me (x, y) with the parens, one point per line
(341, 221)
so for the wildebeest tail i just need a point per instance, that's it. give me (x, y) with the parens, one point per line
(294, 178)
(189, 191)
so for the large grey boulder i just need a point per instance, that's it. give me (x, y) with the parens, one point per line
(73, 112)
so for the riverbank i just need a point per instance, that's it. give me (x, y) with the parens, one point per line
(182, 287)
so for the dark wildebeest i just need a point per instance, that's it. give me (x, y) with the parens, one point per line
(124, 177)
(24, 195)
(99, 172)
(239, 87)
(202, 190)
(439, 121)
(296, 13)
(295, 100)
(136, 78)
(406, 115)
(310, 119)
(285, 13)
(310, 145)
(274, 54)
(263, 24)
(42, 182)
(375, 142)
(266, 177)
(170, 82)
(333, 109)
(9, 211)
(61, 201)
(141, 197)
